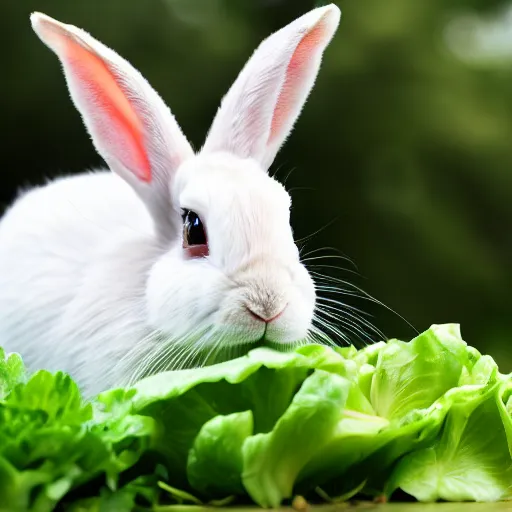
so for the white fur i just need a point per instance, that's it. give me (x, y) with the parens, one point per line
(243, 124)
(93, 277)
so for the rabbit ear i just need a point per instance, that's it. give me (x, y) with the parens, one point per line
(130, 125)
(259, 111)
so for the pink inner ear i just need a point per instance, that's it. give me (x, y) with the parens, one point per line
(113, 117)
(296, 71)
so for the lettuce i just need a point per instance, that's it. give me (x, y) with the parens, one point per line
(471, 460)
(215, 461)
(272, 461)
(12, 372)
(431, 417)
(50, 442)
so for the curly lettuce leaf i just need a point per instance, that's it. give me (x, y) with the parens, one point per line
(471, 460)
(356, 437)
(364, 447)
(465, 462)
(12, 372)
(264, 381)
(214, 465)
(414, 375)
(273, 461)
(432, 417)
(390, 409)
(50, 443)
(44, 448)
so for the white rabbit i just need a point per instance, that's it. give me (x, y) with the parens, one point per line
(111, 275)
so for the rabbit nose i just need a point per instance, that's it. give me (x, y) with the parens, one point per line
(263, 314)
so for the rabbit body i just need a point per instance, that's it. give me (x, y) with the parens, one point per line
(113, 275)
(74, 260)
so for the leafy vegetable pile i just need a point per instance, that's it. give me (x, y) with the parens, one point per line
(432, 417)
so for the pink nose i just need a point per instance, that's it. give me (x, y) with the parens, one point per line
(262, 318)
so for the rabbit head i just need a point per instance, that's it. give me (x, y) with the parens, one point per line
(229, 270)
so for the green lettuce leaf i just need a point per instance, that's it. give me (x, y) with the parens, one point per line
(44, 447)
(273, 461)
(364, 447)
(432, 417)
(390, 409)
(215, 462)
(12, 372)
(472, 458)
(50, 443)
(414, 375)
(264, 381)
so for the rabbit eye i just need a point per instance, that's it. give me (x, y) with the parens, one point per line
(194, 235)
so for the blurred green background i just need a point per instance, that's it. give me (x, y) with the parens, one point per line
(403, 153)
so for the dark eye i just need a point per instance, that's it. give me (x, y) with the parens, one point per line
(194, 235)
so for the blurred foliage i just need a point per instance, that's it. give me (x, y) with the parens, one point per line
(404, 144)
